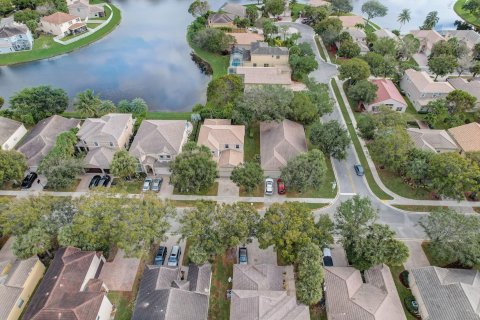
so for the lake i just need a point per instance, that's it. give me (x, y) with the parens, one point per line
(147, 56)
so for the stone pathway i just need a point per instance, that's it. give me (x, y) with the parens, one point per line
(417, 257)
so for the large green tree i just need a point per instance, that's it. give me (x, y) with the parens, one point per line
(404, 17)
(12, 166)
(61, 172)
(331, 138)
(329, 29)
(247, 175)
(193, 169)
(354, 69)
(138, 107)
(342, 6)
(363, 91)
(460, 101)
(224, 90)
(87, 104)
(34, 104)
(274, 7)
(431, 21)
(385, 46)
(212, 40)
(198, 8)
(302, 61)
(348, 49)
(303, 109)
(390, 147)
(123, 164)
(290, 226)
(305, 171)
(309, 274)
(320, 95)
(381, 66)
(373, 9)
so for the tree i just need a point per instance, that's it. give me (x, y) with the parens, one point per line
(367, 127)
(329, 29)
(373, 9)
(348, 49)
(6, 7)
(431, 21)
(390, 147)
(252, 14)
(464, 63)
(331, 138)
(473, 6)
(404, 17)
(475, 69)
(316, 14)
(460, 101)
(34, 104)
(12, 166)
(302, 61)
(442, 65)
(355, 69)
(138, 107)
(417, 166)
(290, 226)
(451, 175)
(87, 104)
(247, 175)
(303, 109)
(385, 46)
(274, 7)
(123, 164)
(106, 107)
(342, 6)
(198, 8)
(224, 90)
(2, 101)
(35, 241)
(305, 171)
(408, 46)
(263, 103)
(193, 169)
(387, 118)
(237, 224)
(363, 91)
(319, 94)
(380, 66)
(438, 114)
(269, 28)
(454, 236)
(61, 172)
(309, 274)
(212, 40)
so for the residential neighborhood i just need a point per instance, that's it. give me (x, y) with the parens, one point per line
(270, 160)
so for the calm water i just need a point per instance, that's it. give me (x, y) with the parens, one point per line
(418, 11)
(146, 56)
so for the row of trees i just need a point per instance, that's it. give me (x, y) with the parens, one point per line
(94, 222)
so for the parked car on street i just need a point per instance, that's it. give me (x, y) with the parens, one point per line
(281, 186)
(29, 180)
(359, 170)
(147, 183)
(174, 257)
(104, 181)
(242, 255)
(157, 184)
(161, 255)
(94, 181)
(269, 186)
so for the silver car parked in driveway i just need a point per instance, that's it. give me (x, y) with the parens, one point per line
(156, 184)
(147, 183)
(269, 186)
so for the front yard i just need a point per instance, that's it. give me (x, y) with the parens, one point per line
(219, 308)
(132, 186)
(212, 191)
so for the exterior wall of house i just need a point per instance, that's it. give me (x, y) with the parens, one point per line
(125, 137)
(14, 138)
(57, 29)
(260, 60)
(416, 293)
(251, 86)
(92, 270)
(221, 25)
(30, 284)
(393, 104)
(415, 95)
(18, 42)
(105, 309)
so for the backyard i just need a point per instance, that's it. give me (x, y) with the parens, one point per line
(403, 292)
(219, 308)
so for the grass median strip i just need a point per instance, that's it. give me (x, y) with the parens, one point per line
(361, 155)
(320, 49)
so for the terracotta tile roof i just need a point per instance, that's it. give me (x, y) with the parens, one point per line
(262, 48)
(422, 81)
(430, 36)
(351, 21)
(221, 18)
(467, 136)
(106, 128)
(99, 158)
(59, 18)
(236, 9)
(387, 90)
(246, 38)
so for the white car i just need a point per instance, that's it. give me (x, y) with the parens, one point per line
(269, 186)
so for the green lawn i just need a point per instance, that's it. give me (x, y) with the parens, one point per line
(403, 291)
(257, 192)
(123, 301)
(213, 191)
(72, 188)
(363, 160)
(416, 208)
(132, 186)
(317, 314)
(183, 203)
(219, 308)
(315, 206)
(44, 47)
(218, 62)
(465, 15)
(438, 262)
(92, 25)
(252, 142)
(320, 49)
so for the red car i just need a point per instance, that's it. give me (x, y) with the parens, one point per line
(281, 186)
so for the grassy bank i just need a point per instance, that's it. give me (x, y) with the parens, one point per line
(361, 155)
(44, 47)
(465, 15)
(218, 62)
(151, 115)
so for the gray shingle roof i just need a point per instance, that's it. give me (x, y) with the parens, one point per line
(8, 31)
(221, 18)
(449, 293)
(235, 9)
(262, 48)
(163, 296)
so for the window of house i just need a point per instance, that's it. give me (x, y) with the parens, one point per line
(266, 65)
(375, 108)
(254, 64)
(161, 156)
(111, 144)
(167, 156)
(237, 146)
(226, 146)
(95, 144)
(20, 303)
(399, 108)
(278, 57)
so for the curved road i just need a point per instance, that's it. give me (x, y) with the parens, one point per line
(404, 223)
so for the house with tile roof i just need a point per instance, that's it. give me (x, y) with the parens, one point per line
(264, 292)
(350, 22)
(262, 55)
(163, 295)
(427, 39)
(102, 137)
(421, 89)
(18, 280)
(472, 87)
(385, 33)
(318, 3)
(468, 37)
(158, 142)
(279, 143)
(446, 294)
(85, 10)
(432, 140)
(467, 136)
(349, 297)
(41, 139)
(62, 24)
(71, 289)
(226, 141)
(15, 37)
(387, 95)
(235, 9)
(221, 20)
(11, 132)
(244, 40)
(260, 76)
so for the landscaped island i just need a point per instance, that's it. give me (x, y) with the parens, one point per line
(46, 47)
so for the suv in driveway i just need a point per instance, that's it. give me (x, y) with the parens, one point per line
(160, 257)
(242, 255)
(147, 183)
(157, 184)
(269, 186)
(29, 180)
(174, 257)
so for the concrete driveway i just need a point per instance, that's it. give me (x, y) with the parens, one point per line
(417, 257)
(260, 256)
(227, 188)
(174, 240)
(166, 188)
(85, 181)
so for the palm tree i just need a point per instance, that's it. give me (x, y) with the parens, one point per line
(404, 17)
(430, 21)
(87, 103)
